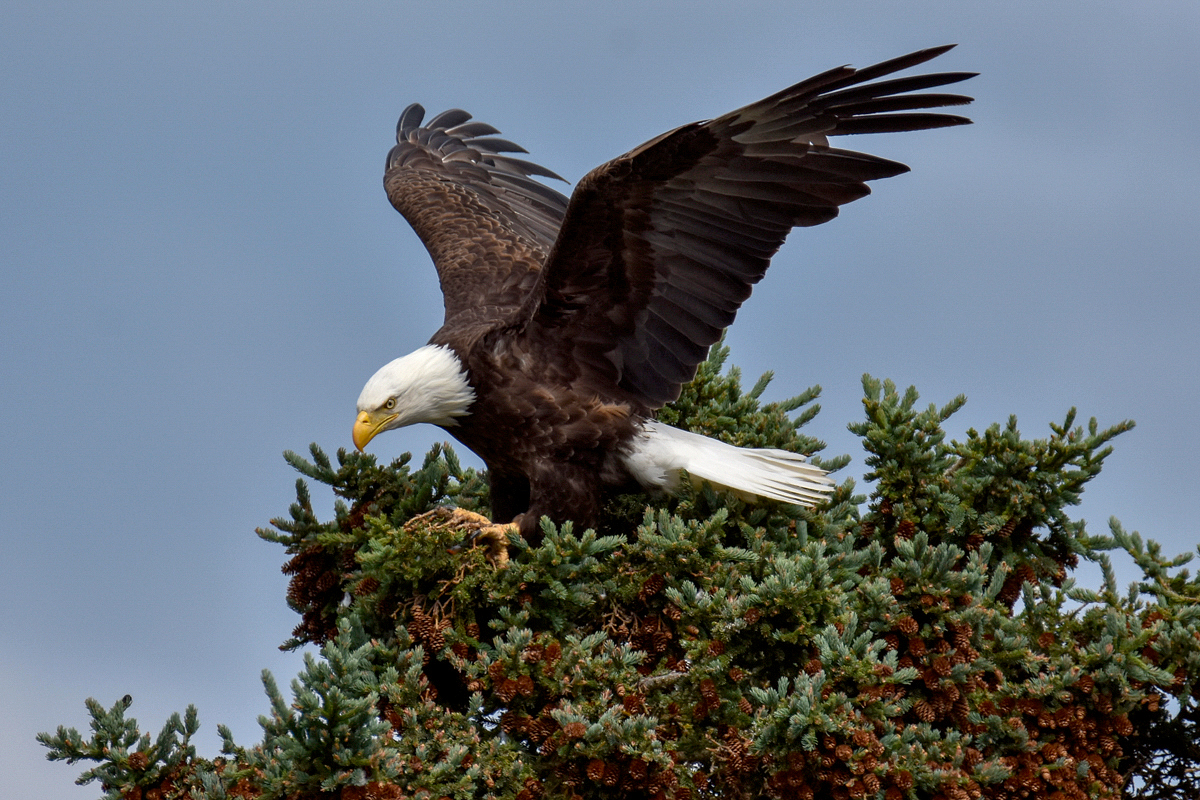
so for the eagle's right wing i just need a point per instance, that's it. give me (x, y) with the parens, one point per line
(486, 222)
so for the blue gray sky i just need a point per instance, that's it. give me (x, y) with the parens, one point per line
(200, 269)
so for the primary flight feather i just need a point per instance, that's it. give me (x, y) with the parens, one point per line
(569, 323)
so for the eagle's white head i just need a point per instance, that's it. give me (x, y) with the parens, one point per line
(427, 385)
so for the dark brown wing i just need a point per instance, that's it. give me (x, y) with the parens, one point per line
(661, 246)
(486, 222)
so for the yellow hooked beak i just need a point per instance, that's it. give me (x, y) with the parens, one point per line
(368, 425)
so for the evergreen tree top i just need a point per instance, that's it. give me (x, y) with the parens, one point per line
(927, 641)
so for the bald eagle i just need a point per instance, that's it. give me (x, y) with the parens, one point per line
(568, 323)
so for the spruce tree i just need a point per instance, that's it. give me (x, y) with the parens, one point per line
(927, 641)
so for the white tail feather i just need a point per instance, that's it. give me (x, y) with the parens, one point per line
(660, 453)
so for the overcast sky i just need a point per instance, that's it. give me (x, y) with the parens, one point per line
(200, 270)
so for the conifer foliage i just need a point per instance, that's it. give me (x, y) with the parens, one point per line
(926, 642)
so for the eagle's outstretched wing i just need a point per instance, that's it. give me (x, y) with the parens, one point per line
(660, 247)
(487, 223)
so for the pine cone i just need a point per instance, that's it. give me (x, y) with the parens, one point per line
(507, 690)
(650, 587)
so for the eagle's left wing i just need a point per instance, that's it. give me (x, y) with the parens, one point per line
(661, 246)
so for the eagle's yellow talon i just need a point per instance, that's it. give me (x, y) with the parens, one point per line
(495, 538)
(474, 526)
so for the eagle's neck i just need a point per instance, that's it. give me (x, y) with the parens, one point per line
(429, 385)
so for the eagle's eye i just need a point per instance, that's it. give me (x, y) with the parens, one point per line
(390, 404)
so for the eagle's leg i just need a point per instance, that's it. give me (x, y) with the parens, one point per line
(509, 493)
(562, 491)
